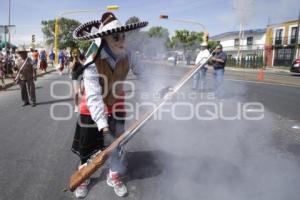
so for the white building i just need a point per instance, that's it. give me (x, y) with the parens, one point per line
(251, 44)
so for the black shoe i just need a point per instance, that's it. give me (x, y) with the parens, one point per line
(26, 104)
(33, 104)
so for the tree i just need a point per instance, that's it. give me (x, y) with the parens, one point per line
(212, 44)
(132, 20)
(134, 38)
(186, 40)
(157, 40)
(158, 32)
(84, 44)
(65, 36)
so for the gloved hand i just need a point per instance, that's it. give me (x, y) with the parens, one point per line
(108, 138)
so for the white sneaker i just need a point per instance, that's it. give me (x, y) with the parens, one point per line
(114, 180)
(82, 190)
(76, 109)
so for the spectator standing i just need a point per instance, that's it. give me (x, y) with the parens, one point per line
(219, 61)
(200, 75)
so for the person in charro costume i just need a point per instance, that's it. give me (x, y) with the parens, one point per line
(26, 75)
(102, 110)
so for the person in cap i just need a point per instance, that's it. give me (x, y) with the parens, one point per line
(102, 103)
(26, 75)
(219, 61)
(200, 75)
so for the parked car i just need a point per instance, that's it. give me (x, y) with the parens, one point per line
(296, 66)
(171, 58)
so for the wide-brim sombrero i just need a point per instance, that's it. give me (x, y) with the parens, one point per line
(22, 49)
(108, 25)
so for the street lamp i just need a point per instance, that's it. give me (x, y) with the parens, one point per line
(183, 21)
(205, 33)
(56, 27)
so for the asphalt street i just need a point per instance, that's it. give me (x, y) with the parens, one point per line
(195, 156)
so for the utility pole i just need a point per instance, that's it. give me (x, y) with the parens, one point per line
(9, 20)
(241, 37)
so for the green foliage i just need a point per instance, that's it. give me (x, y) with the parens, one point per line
(212, 44)
(84, 45)
(186, 40)
(132, 20)
(65, 38)
(158, 32)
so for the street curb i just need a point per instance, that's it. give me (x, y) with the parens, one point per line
(272, 70)
(8, 85)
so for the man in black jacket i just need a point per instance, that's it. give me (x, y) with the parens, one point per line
(219, 61)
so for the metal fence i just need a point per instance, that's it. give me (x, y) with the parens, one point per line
(252, 62)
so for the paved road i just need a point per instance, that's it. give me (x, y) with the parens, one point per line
(168, 159)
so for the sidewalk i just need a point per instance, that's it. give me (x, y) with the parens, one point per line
(10, 82)
(267, 70)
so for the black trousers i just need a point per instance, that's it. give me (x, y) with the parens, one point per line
(27, 87)
(87, 138)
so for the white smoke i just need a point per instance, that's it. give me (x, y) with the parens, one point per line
(212, 159)
(244, 10)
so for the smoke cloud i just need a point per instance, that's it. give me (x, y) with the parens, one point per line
(213, 159)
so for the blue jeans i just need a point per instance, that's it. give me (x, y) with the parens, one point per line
(117, 162)
(218, 79)
(116, 159)
(200, 77)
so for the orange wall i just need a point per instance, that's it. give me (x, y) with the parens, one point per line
(269, 39)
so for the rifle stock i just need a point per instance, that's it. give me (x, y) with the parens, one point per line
(85, 172)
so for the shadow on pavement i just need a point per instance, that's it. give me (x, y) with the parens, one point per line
(177, 170)
(54, 101)
(144, 164)
(15, 89)
(294, 149)
(295, 74)
(141, 165)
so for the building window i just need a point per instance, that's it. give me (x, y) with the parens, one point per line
(284, 56)
(294, 35)
(280, 54)
(288, 54)
(236, 42)
(249, 41)
(278, 36)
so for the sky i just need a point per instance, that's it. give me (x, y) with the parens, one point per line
(217, 16)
